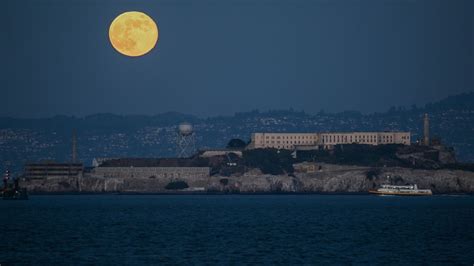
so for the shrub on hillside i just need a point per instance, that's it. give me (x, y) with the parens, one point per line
(224, 181)
(372, 173)
(176, 185)
(355, 154)
(236, 144)
(269, 161)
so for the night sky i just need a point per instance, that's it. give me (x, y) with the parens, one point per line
(217, 57)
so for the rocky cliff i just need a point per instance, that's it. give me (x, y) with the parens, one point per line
(328, 178)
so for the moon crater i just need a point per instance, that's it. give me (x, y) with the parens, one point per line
(133, 33)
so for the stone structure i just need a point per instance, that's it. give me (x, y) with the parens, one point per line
(218, 152)
(152, 172)
(307, 167)
(300, 141)
(48, 170)
(332, 178)
(96, 162)
(283, 140)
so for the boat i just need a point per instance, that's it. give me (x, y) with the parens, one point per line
(409, 190)
(12, 192)
(15, 194)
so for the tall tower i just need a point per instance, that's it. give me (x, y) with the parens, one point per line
(186, 142)
(426, 130)
(74, 147)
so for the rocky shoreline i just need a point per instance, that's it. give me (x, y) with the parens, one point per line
(339, 179)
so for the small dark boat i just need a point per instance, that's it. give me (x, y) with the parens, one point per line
(14, 192)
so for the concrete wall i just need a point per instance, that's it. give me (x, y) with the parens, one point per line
(211, 153)
(53, 170)
(147, 172)
(331, 178)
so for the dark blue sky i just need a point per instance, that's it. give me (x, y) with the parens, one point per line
(224, 56)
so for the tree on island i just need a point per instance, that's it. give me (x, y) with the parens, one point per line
(269, 161)
(176, 185)
(236, 144)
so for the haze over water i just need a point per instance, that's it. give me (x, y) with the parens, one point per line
(238, 229)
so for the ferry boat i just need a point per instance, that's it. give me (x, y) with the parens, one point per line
(392, 190)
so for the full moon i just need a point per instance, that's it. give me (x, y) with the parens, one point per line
(133, 33)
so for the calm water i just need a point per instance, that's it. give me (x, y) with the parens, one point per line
(237, 229)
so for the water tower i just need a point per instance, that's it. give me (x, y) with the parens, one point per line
(186, 142)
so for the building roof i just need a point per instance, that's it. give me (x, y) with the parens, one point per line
(154, 162)
(222, 149)
(53, 164)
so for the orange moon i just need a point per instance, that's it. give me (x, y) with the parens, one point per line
(133, 33)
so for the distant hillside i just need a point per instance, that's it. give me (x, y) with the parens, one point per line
(103, 121)
(461, 102)
(109, 135)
